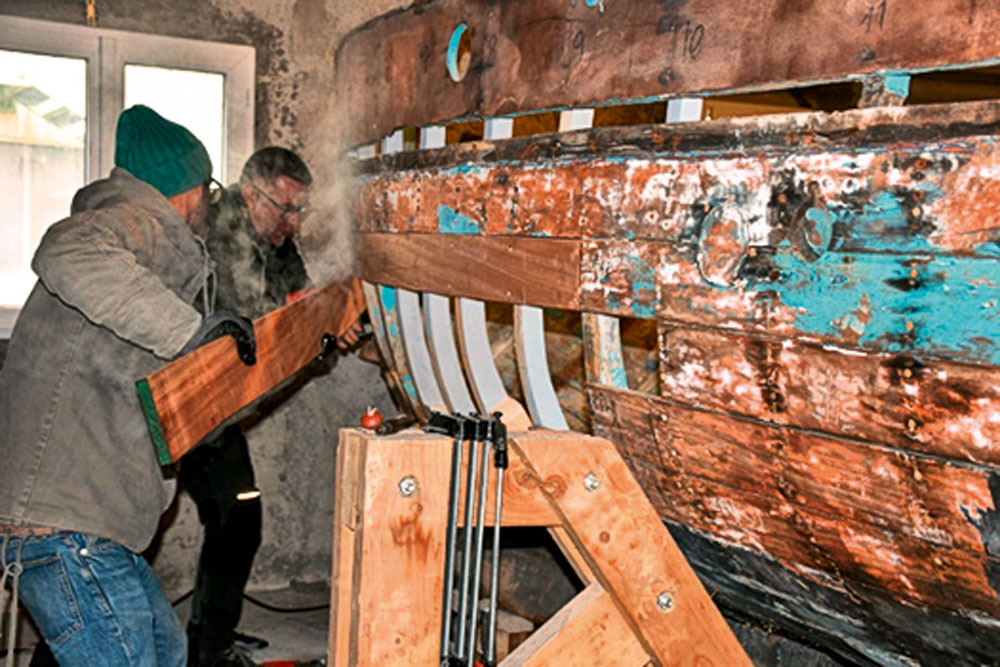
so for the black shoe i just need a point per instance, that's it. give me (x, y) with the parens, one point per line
(232, 657)
(249, 642)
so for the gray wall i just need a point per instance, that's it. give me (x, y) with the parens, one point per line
(293, 448)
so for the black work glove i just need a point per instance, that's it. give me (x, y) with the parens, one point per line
(224, 323)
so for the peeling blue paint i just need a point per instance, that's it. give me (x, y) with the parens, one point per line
(409, 387)
(952, 304)
(451, 57)
(388, 295)
(897, 83)
(453, 222)
(883, 223)
(644, 311)
(643, 280)
(615, 362)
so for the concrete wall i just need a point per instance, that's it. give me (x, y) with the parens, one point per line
(293, 447)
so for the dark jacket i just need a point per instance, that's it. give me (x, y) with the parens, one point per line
(114, 300)
(253, 276)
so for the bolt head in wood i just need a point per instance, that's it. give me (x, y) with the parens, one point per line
(408, 486)
(665, 601)
(591, 482)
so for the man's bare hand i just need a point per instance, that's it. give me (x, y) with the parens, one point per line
(351, 336)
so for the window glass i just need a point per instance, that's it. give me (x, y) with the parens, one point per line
(43, 128)
(192, 98)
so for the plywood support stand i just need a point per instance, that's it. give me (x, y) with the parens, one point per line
(643, 604)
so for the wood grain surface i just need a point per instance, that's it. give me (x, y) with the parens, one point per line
(552, 54)
(185, 400)
(839, 512)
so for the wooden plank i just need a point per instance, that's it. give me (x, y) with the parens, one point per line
(936, 407)
(871, 567)
(723, 138)
(403, 535)
(861, 625)
(186, 399)
(542, 272)
(837, 509)
(947, 307)
(532, 56)
(916, 181)
(631, 552)
(346, 525)
(603, 360)
(588, 631)
(377, 620)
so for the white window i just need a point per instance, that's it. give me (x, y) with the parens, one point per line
(62, 87)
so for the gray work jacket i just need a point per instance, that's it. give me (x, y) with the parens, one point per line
(113, 301)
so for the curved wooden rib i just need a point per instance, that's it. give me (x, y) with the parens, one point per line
(533, 368)
(483, 377)
(397, 352)
(411, 326)
(437, 316)
(391, 373)
(378, 323)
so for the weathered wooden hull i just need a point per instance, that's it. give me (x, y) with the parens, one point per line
(821, 431)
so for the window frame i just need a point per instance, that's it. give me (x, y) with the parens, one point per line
(106, 53)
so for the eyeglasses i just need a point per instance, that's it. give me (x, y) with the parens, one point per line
(287, 210)
(214, 191)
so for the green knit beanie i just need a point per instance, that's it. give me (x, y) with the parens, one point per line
(164, 154)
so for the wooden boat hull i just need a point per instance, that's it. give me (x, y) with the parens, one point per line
(818, 426)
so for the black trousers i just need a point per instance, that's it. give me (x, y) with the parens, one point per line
(215, 474)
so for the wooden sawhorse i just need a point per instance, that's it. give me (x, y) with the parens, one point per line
(642, 603)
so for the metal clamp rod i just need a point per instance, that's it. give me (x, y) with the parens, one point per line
(500, 462)
(460, 429)
(462, 651)
(480, 524)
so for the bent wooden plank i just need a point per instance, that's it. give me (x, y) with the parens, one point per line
(186, 399)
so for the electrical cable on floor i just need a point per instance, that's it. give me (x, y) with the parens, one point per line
(260, 603)
(285, 610)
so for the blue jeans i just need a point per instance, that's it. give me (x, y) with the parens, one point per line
(97, 603)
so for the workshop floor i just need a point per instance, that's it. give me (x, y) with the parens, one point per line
(296, 639)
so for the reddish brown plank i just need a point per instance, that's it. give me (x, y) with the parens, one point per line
(186, 399)
(542, 272)
(392, 71)
(831, 509)
(905, 187)
(867, 565)
(936, 407)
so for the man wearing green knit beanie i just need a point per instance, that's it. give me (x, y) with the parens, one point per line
(122, 288)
